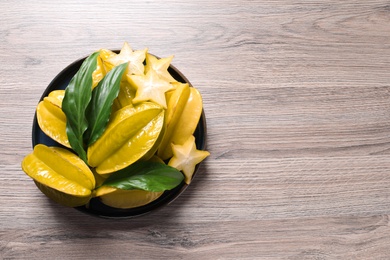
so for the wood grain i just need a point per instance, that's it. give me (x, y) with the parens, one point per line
(296, 95)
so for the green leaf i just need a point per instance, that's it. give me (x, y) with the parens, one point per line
(99, 109)
(77, 97)
(146, 175)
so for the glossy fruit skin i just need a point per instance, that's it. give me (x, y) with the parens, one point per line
(126, 199)
(60, 174)
(52, 120)
(182, 116)
(176, 101)
(104, 56)
(189, 119)
(99, 72)
(56, 97)
(130, 134)
(61, 197)
(126, 94)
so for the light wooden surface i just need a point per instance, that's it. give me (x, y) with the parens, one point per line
(297, 100)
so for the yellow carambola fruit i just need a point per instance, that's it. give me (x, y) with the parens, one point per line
(189, 118)
(106, 55)
(126, 94)
(126, 199)
(186, 157)
(175, 105)
(118, 198)
(60, 174)
(130, 134)
(152, 151)
(184, 113)
(98, 73)
(52, 120)
(55, 97)
(61, 197)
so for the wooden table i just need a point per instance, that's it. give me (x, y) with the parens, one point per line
(296, 95)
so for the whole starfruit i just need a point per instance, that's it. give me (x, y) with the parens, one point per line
(51, 119)
(130, 134)
(60, 174)
(182, 116)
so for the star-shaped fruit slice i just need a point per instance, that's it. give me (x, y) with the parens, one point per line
(160, 66)
(150, 87)
(186, 157)
(135, 59)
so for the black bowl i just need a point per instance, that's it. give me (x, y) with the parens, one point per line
(96, 207)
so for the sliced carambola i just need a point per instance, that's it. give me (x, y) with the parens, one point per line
(186, 157)
(150, 87)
